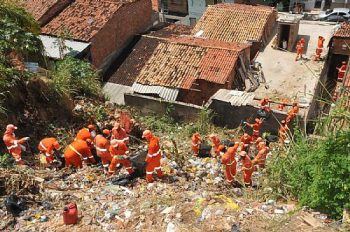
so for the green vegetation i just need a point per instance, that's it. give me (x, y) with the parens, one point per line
(18, 38)
(75, 77)
(5, 161)
(316, 169)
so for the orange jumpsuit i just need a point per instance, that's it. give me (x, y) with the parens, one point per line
(215, 144)
(292, 113)
(246, 140)
(283, 133)
(77, 152)
(260, 158)
(247, 168)
(300, 50)
(102, 150)
(319, 48)
(282, 105)
(196, 141)
(83, 134)
(119, 157)
(46, 146)
(153, 159)
(341, 72)
(256, 130)
(14, 146)
(228, 159)
(120, 134)
(264, 104)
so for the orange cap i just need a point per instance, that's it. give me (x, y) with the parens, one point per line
(11, 126)
(243, 153)
(146, 133)
(91, 127)
(106, 132)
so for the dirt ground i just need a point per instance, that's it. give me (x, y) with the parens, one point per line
(292, 79)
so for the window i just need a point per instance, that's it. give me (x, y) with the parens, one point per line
(212, 2)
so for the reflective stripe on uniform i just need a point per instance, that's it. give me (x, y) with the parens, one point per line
(149, 173)
(80, 155)
(230, 181)
(105, 165)
(15, 144)
(154, 155)
(195, 144)
(101, 149)
(128, 168)
(19, 159)
(47, 154)
(157, 168)
(42, 145)
(230, 163)
(90, 157)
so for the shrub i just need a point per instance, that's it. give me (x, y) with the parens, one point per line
(73, 76)
(5, 161)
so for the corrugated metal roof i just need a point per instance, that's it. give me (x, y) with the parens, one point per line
(169, 94)
(234, 97)
(52, 49)
(115, 92)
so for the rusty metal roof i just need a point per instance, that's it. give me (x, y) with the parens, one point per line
(234, 97)
(234, 22)
(169, 94)
(178, 62)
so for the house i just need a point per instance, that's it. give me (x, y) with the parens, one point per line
(190, 70)
(171, 11)
(196, 8)
(107, 26)
(237, 23)
(340, 43)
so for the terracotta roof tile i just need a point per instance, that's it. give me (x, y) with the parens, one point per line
(343, 31)
(234, 22)
(179, 61)
(38, 7)
(83, 18)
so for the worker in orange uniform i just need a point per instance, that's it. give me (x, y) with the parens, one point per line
(246, 140)
(153, 156)
(47, 146)
(215, 143)
(264, 104)
(283, 132)
(14, 146)
(119, 151)
(78, 152)
(229, 160)
(119, 133)
(86, 133)
(196, 142)
(247, 168)
(282, 105)
(260, 158)
(256, 128)
(300, 49)
(102, 145)
(292, 113)
(319, 48)
(341, 71)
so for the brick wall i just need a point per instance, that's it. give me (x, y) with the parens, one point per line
(129, 20)
(339, 46)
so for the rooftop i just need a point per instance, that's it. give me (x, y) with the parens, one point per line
(343, 31)
(39, 7)
(83, 18)
(237, 22)
(178, 62)
(127, 72)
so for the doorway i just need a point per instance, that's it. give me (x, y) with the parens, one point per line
(284, 36)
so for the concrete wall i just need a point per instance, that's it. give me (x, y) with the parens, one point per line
(178, 6)
(130, 19)
(183, 111)
(233, 116)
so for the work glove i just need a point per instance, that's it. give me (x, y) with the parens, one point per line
(244, 122)
(26, 138)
